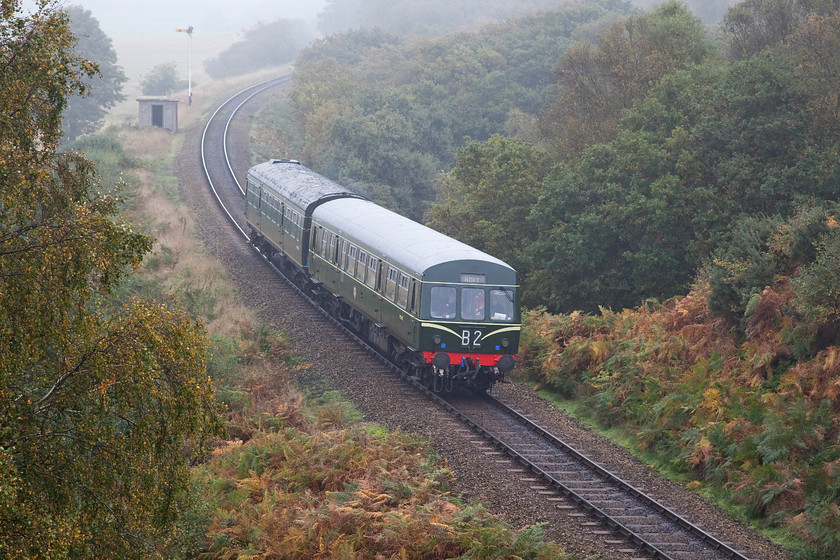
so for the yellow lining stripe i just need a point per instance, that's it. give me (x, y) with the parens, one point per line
(438, 326)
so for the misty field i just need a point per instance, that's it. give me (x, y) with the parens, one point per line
(139, 54)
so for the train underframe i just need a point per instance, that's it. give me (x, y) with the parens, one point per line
(439, 376)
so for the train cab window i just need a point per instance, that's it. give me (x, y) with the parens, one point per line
(402, 291)
(443, 302)
(501, 305)
(362, 266)
(472, 304)
(391, 284)
(371, 275)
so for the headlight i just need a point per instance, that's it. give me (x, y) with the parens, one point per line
(436, 339)
(505, 343)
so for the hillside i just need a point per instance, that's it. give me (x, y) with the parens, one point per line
(684, 174)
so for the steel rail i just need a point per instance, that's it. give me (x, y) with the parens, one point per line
(271, 83)
(616, 482)
(262, 86)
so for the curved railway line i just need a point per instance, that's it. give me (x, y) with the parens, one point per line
(617, 512)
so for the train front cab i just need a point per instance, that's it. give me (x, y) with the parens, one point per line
(470, 332)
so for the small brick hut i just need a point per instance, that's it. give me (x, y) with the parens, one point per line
(158, 111)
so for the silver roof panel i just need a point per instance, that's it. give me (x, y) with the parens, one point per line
(397, 238)
(297, 183)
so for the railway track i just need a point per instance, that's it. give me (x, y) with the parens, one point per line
(616, 512)
(622, 514)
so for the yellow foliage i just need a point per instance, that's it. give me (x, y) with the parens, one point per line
(599, 351)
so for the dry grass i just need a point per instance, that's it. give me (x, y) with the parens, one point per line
(182, 264)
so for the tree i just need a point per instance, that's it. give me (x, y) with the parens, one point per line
(432, 18)
(813, 49)
(599, 80)
(486, 199)
(98, 402)
(706, 149)
(380, 142)
(162, 80)
(753, 25)
(265, 44)
(389, 111)
(614, 228)
(85, 113)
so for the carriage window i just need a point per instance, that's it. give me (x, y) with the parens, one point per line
(391, 284)
(472, 304)
(371, 275)
(360, 270)
(253, 193)
(336, 244)
(350, 262)
(443, 303)
(324, 236)
(345, 258)
(402, 293)
(501, 305)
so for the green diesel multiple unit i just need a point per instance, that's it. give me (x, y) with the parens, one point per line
(444, 310)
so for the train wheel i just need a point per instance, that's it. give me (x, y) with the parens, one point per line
(427, 377)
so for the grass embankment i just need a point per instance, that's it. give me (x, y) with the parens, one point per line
(295, 479)
(736, 416)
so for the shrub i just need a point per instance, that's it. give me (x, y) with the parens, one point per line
(161, 80)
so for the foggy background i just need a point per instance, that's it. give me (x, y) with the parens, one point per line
(148, 17)
(144, 36)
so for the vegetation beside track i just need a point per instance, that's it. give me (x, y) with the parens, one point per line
(749, 418)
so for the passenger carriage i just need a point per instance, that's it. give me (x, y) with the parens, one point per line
(443, 309)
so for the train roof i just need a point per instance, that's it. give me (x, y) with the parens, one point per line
(405, 242)
(298, 184)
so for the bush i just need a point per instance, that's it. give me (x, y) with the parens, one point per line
(265, 44)
(162, 80)
(743, 267)
(817, 286)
